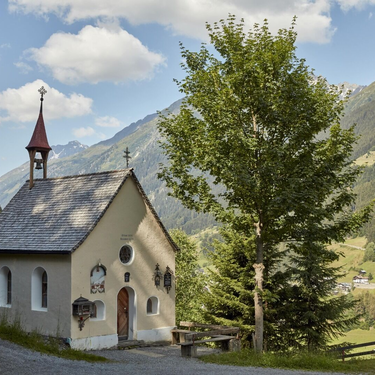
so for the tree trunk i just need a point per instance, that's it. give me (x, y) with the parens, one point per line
(258, 302)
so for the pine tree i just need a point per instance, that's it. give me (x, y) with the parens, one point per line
(230, 300)
(312, 312)
(189, 279)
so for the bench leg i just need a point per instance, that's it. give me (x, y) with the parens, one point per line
(174, 338)
(235, 345)
(225, 346)
(188, 351)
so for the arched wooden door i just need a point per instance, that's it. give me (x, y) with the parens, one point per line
(123, 314)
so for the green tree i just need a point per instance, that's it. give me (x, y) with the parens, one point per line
(189, 279)
(231, 285)
(250, 120)
(312, 312)
(369, 252)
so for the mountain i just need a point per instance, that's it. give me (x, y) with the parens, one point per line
(350, 88)
(360, 110)
(62, 151)
(142, 139)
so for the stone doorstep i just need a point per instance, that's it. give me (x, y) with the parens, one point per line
(129, 344)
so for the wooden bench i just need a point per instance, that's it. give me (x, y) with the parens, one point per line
(179, 335)
(188, 340)
(189, 348)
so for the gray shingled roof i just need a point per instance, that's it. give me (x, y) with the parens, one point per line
(57, 214)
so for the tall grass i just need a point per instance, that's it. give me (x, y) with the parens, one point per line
(304, 361)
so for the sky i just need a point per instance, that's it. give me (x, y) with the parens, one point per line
(106, 64)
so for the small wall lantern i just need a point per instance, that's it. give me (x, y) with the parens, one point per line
(127, 277)
(81, 307)
(168, 279)
(157, 275)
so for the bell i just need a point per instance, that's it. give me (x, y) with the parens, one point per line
(38, 164)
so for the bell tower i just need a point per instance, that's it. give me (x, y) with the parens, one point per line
(39, 143)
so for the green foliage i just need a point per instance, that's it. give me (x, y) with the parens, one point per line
(312, 313)
(366, 308)
(250, 124)
(369, 253)
(229, 300)
(189, 279)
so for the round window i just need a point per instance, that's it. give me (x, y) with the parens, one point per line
(126, 253)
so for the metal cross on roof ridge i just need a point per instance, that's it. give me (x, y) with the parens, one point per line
(127, 157)
(42, 92)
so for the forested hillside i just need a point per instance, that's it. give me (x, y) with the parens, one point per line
(142, 139)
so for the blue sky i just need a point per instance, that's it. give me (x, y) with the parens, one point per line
(108, 63)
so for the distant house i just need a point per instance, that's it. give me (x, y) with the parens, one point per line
(360, 279)
(86, 257)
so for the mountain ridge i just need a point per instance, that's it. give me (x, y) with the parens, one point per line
(142, 137)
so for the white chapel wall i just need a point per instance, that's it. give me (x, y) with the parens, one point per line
(128, 221)
(53, 320)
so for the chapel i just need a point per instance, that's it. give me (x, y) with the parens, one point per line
(85, 257)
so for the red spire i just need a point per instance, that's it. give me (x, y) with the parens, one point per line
(39, 139)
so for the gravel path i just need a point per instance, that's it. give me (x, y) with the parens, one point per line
(143, 361)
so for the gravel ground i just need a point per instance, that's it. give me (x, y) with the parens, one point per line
(143, 361)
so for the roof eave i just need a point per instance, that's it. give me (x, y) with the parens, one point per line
(23, 251)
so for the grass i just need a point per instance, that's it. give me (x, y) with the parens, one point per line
(352, 258)
(34, 341)
(294, 361)
(357, 241)
(357, 336)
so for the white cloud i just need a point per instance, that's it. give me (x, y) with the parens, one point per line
(87, 132)
(358, 4)
(107, 122)
(23, 67)
(187, 17)
(83, 132)
(5, 45)
(96, 54)
(21, 105)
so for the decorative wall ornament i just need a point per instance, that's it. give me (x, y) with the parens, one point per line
(168, 279)
(157, 275)
(83, 307)
(97, 278)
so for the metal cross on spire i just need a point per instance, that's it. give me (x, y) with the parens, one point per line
(42, 92)
(127, 157)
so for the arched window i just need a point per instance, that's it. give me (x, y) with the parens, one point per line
(99, 311)
(9, 288)
(5, 287)
(152, 306)
(44, 289)
(39, 289)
